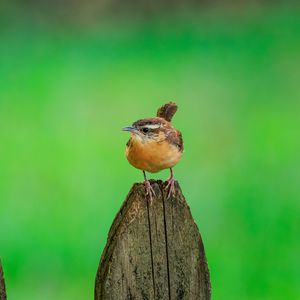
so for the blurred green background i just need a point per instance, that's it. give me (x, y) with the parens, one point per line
(71, 76)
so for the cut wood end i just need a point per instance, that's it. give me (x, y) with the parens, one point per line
(159, 186)
(153, 249)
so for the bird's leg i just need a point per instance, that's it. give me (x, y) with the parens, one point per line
(171, 185)
(149, 189)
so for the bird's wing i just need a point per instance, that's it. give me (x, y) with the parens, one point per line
(175, 137)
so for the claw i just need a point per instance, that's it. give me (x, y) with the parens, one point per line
(171, 185)
(149, 190)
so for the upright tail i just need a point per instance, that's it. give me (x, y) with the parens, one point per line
(167, 111)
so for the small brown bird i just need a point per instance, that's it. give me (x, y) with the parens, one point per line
(155, 145)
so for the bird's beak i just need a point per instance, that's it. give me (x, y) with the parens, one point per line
(130, 129)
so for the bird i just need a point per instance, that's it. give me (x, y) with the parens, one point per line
(155, 145)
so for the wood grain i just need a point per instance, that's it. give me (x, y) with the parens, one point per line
(153, 251)
(2, 284)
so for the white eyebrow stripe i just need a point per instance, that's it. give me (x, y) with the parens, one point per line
(152, 126)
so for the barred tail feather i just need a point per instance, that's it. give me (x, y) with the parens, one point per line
(167, 111)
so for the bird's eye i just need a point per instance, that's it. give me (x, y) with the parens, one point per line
(145, 129)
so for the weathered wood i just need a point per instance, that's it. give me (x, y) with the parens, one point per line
(153, 251)
(2, 284)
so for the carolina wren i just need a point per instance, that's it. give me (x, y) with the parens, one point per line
(155, 145)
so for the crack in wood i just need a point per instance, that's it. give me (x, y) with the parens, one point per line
(151, 250)
(166, 240)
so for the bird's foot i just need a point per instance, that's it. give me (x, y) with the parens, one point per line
(171, 187)
(149, 190)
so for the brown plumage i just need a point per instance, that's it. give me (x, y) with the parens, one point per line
(167, 111)
(155, 144)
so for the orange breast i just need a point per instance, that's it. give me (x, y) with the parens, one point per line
(152, 156)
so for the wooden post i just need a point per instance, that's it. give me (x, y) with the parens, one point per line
(2, 284)
(153, 251)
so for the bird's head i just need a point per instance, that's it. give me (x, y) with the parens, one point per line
(148, 129)
(153, 129)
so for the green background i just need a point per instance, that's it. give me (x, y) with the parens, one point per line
(67, 90)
